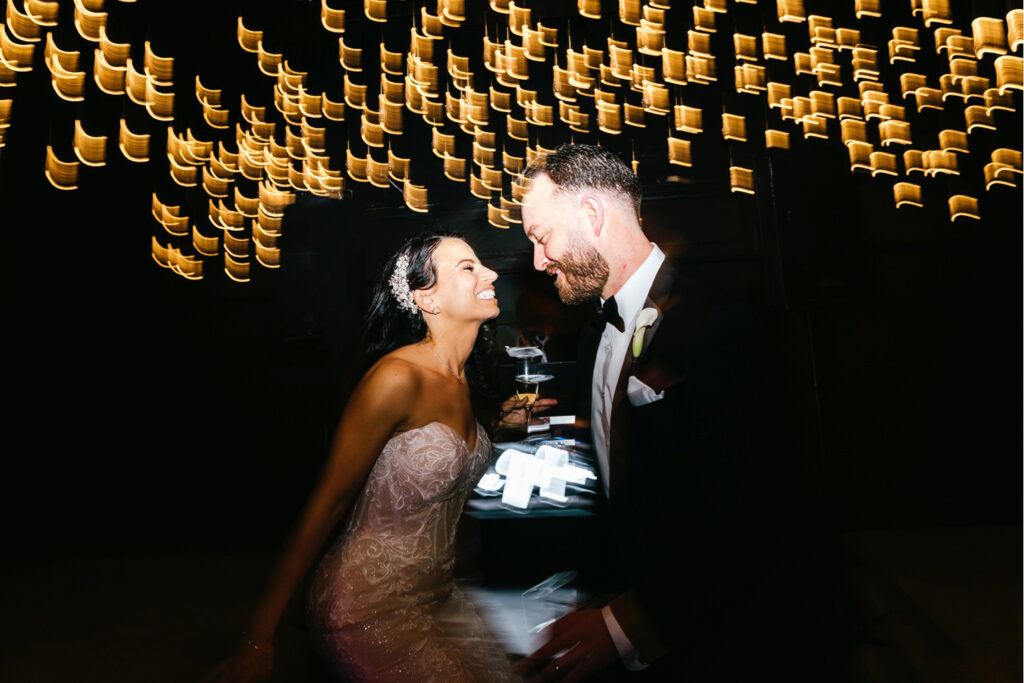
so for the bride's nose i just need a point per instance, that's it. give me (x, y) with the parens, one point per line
(488, 275)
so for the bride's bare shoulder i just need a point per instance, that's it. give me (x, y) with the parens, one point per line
(397, 370)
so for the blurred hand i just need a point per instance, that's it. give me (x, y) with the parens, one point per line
(583, 639)
(542, 404)
(515, 412)
(247, 664)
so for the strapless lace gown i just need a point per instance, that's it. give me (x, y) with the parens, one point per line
(383, 604)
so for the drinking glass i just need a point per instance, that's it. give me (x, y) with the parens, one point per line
(528, 375)
(552, 598)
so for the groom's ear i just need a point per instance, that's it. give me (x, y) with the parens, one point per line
(592, 211)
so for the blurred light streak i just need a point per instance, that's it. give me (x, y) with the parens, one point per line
(907, 194)
(640, 69)
(963, 206)
(63, 175)
(91, 150)
(22, 25)
(332, 19)
(89, 20)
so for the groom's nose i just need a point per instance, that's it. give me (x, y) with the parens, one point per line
(540, 261)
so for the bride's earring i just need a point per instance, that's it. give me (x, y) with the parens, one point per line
(437, 309)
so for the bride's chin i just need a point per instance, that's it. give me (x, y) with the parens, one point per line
(488, 317)
(491, 310)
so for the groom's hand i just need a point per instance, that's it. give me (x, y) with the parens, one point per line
(586, 649)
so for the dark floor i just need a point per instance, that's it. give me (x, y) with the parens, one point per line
(942, 605)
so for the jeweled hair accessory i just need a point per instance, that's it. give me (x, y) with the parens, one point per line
(400, 285)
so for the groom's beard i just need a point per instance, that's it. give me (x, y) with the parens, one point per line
(584, 273)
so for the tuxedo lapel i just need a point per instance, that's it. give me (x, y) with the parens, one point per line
(659, 299)
(618, 455)
(663, 359)
(664, 283)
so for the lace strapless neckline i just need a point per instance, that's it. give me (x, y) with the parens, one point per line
(454, 432)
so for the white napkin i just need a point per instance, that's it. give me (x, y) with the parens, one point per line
(640, 394)
(523, 472)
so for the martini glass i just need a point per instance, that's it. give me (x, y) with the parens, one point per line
(528, 375)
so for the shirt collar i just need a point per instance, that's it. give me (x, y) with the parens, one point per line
(631, 296)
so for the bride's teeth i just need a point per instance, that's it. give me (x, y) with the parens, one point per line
(489, 294)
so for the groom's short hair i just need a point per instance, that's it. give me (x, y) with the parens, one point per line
(579, 167)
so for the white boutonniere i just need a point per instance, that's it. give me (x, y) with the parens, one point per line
(644, 320)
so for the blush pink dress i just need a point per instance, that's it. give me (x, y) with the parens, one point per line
(383, 605)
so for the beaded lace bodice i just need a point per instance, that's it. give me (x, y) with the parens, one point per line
(383, 596)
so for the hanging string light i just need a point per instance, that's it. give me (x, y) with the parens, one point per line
(656, 67)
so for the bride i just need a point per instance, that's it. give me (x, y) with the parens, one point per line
(383, 604)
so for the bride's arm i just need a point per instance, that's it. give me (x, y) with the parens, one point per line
(379, 405)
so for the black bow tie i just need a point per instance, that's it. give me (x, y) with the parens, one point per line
(610, 314)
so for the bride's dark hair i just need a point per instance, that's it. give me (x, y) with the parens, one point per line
(388, 326)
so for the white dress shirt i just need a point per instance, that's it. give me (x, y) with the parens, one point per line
(611, 354)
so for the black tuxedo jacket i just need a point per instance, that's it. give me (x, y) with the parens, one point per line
(710, 552)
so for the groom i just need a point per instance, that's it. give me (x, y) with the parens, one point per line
(710, 580)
